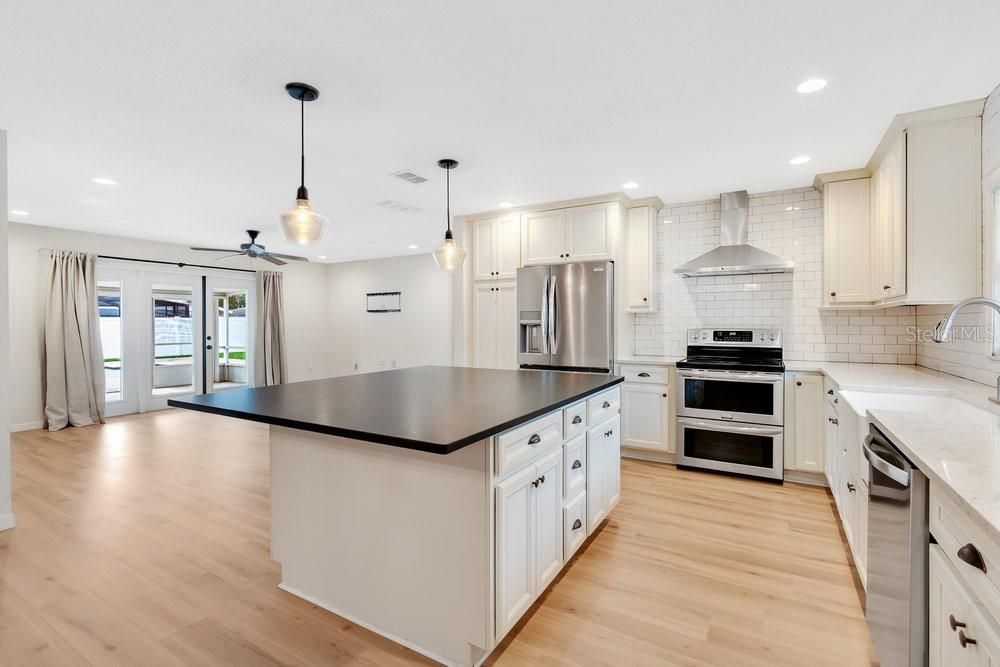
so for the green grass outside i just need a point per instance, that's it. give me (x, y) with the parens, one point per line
(241, 356)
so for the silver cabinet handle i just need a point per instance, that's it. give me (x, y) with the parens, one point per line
(577, 525)
(534, 439)
(576, 464)
(577, 419)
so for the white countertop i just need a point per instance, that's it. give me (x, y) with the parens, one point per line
(951, 431)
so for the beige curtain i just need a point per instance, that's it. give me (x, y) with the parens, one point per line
(269, 363)
(74, 360)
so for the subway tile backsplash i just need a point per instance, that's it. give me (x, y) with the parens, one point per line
(788, 223)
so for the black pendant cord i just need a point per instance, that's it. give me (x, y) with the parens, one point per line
(302, 142)
(447, 190)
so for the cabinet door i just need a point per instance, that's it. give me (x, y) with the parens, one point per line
(484, 331)
(946, 599)
(543, 237)
(483, 236)
(809, 416)
(861, 551)
(612, 486)
(644, 416)
(507, 246)
(588, 232)
(505, 323)
(596, 442)
(515, 554)
(548, 530)
(640, 224)
(847, 242)
(833, 450)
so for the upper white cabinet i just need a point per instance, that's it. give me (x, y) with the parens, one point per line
(496, 248)
(847, 241)
(919, 239)
(640, 258)
(494, 343)
(577, 234)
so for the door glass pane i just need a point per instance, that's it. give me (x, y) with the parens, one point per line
(229, 339)
(741, 448)
(109, 310)
(173, 340)
(750, 397)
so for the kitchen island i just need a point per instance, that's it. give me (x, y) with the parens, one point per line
(433, 504)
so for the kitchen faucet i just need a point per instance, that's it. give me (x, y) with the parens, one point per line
(943, 329)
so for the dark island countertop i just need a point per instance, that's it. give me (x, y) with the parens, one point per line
(436, 409)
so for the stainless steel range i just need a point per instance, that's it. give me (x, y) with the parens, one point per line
(730, 402)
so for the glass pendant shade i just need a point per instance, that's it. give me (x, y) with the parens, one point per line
(302, 224)
(449, 255)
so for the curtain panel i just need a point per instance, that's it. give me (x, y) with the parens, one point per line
(74, 360)
(270, 367)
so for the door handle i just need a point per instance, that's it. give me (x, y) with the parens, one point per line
(534, 439)
(545, 316)
(208, 347)
(970, 554)
(576, 464)
(553, 321)
(577, 419)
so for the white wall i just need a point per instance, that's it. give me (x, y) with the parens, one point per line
(788, 223)
(306, 313)
(420, 335)
(6, 513)
(969, 354)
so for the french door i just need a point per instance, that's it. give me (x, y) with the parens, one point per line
(170, 334)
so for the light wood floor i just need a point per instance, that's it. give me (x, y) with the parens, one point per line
(145, 542)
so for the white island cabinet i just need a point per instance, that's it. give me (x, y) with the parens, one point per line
(433, 505)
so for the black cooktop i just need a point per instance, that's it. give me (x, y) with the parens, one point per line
(752, 359)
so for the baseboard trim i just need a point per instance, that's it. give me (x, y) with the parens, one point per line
(800, 477)
(368, 626)
(7, 521)
(27, 426)
(647, 455)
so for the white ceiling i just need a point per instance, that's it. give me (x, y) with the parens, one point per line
(183, 103)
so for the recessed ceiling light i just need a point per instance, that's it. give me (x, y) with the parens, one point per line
(15, 211)
(412, 246)
(811, 85)
(505, 204)
(631, 185)
(801, 159)
(321, 257)
(103, 180)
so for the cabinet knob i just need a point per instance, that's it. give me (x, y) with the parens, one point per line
(576, 465)
(886, 286)
(541, 480)
(664, 395)
(850, 487)
(955, 624)
(970, 554)
(964, 640)
(577, 419)
(645, 299)
(535, 483)
(534, 439)
(833, 421)
(833, 294)
(606, 405)
(830, 391)
(798, 383)
(208, 347)
(577, 525)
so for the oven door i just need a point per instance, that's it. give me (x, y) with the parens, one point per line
(756, 398)
(746, 449)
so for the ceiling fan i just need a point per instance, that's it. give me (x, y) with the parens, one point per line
(254, 250)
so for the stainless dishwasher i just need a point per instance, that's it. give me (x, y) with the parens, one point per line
(896, 601)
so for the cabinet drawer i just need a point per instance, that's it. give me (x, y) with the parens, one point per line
(646, 374)
(575, 466)
(574, 525)
(522, 443)
(955, 531)
(575, 420)
(603, 406)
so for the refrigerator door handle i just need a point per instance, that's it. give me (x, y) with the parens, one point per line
(545, 316)
(553, 323)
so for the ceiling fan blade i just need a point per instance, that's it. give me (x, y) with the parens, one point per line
(238, 254)
(292, 257)
(268, 258)
(216, 249)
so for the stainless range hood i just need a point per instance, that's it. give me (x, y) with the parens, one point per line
(734, 256)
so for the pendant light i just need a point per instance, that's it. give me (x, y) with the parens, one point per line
(302, 224)
(448, 255)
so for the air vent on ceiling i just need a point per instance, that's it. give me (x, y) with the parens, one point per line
(397, 206)
(410, 176)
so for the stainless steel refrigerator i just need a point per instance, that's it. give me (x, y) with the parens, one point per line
(566, 316)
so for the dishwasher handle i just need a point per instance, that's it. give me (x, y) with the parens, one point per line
(897, 475)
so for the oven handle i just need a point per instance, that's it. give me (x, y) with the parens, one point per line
(729, 427)
(735, 377)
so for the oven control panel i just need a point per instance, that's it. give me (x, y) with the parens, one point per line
(735, 337)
